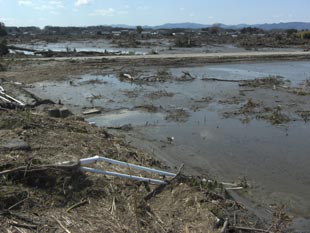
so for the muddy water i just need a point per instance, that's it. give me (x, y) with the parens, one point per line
(84, 46)
(274, 159)
(162, 46)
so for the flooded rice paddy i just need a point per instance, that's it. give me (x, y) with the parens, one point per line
(273, 158)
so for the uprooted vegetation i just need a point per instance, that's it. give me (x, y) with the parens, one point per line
(268, 82)
(303, 90)
(159, 94)
(2, 68)
(40, 194)
(178, 115)
(253, 110)
(160, 75)
(305, 115)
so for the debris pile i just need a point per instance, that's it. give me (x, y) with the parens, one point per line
(268, 82)
(161, 75)
(178, 115)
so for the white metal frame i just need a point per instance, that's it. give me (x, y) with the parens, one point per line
(8, 98)
(124, 164)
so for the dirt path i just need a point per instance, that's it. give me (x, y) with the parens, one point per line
(193, 57)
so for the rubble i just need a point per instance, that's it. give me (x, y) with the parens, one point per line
(59, 112)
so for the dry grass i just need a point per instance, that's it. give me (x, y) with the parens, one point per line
(39, 200)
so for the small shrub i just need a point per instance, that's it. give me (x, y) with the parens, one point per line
(2, 68)
(305, 35)
(3, 48)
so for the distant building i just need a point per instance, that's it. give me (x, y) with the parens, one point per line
(116, 33)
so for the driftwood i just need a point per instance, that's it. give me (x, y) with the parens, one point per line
(147, 78)
(18, 203)
(188, 74)
(224, 228)
(186, 77)
(35, 168)
(249, 229)
(10, 214)
(21, 49)
(126, 127)
(83, 202)
(61, 225)
(161, 187)
(26, 226)
(222, 80)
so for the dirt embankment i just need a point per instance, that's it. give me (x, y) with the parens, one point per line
(192, 58)
(37, 194)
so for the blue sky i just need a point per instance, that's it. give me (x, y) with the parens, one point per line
(150, 12)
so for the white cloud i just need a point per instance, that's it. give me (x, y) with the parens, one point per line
(43, 7)
(143, 8)
(54, 12)
(122, 12)
(57, 4)
(182, 9)
(82, 2)
(51, 6)
(104, 12)
(25, 3)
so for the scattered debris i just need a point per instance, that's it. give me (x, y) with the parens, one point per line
(185, 77)
(59, 112)
(305, 115)
(132, 94)
(148, 108)
(268, 82)
(221, 80)
(276, 117)
(92, 82)
(179, 115)
(159, 94)
(92, 111)
(255, 110)
(249, 107)
(128, 76)
(170, 139)
(126, 127)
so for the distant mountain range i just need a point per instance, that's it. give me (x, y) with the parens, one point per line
(289, 25)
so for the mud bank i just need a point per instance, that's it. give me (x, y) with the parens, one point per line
(194, 58)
